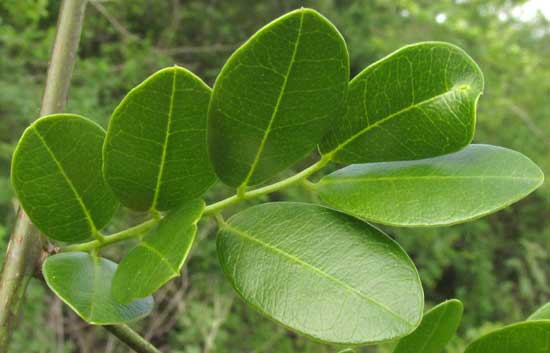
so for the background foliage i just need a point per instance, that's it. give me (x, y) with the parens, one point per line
(498, 266)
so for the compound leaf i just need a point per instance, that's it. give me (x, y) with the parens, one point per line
(524, 337)
(159, 256)
(438, 326)
(56, 173)
(155, 153)
(418, 102)
(454, 188)
(83, 282)
(276, 97)
(321, 273)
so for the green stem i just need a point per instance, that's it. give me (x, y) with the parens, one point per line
(219, 220)
(308, 185)
(132, 232)
(132, 339)
(100, 238)
(246, 195)
(25, 246)
(210, 210)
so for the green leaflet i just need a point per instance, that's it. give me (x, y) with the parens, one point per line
(83, 282)
(159, 256)
(543, 313)
(524, 337)
(56, 174)
(155, 152)
(444, 190)
(418, 102)
(321, 273)
(276, 97)
(438, 326)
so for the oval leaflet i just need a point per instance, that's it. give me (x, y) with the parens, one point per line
(276, 97)
(449, 189)
(417, 102)
(318, 272)
(56, 174)
(155, 152)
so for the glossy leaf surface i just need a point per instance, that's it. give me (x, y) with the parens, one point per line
(525, 337)
(155, 152)
(276, 97)
(56, 173)
(438, 326)
(454, 188)
(321, 273)
(418, 102)
(543, 313)
(84, 283)
(159, 256)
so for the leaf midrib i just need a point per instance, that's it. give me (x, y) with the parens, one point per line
(87, 214)
(335, 180)
(456, 88)
(165, 145)
(317, 271)
(159, 255)
(277, 104)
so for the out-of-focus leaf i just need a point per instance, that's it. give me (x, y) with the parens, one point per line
(83, 282)
(438, 326)
(5, 190)
(543, 313)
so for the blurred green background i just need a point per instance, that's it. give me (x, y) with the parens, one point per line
(498, 266)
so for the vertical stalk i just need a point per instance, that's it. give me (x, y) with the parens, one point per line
(23, 254)
(63, 57)
(26, 243)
